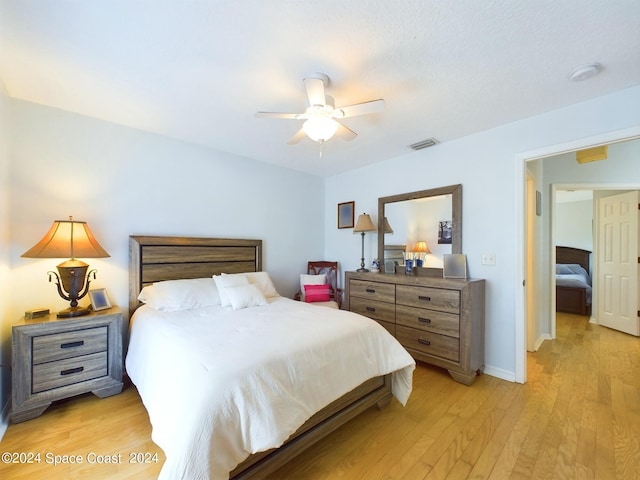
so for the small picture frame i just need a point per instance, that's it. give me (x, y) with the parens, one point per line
(99, 299)
(345, 214)
(445, 232)
(455, 265)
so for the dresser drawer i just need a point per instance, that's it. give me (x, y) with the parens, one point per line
(47, 376)
(426, 297)
(383, 292)
(380, 311)
(58, 346)
(428, 320)
(429, 343)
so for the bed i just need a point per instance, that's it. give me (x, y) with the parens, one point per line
(573, 282)
(296, 402)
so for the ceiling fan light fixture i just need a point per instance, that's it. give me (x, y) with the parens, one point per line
(320, 128)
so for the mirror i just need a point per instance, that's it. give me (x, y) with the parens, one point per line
(433, 216)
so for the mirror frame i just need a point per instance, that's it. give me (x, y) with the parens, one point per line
(456, 213)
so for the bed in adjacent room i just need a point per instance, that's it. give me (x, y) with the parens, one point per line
(236, 378)
(573, 281)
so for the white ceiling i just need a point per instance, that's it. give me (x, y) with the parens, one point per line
(199, 70)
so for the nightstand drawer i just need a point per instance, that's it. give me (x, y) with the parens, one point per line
(383, 292)
(428, 320)
(425, 297)
(429, 343)
(383, 311)
(51, 375)
(58, 346)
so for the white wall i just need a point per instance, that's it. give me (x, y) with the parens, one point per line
(573, 224)
(5, 314)
(123, 182)
(486, 165)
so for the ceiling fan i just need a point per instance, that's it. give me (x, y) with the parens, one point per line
(321, 116)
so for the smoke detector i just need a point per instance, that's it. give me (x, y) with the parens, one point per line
(586, 71)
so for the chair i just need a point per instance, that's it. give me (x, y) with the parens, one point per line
(330, 269)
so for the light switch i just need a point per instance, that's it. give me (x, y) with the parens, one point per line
(488, 259)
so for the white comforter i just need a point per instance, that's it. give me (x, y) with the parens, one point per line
(221, 384)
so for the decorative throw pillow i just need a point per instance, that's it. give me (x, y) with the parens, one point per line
(306, 279)
(317, 293)
(243, 296)
(225, 281)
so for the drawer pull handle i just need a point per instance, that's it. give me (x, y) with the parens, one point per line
(79, 343)
(424, 342)
(422, 297)
(370, 290)
(424, 320)
(371, 309)
(72, 370)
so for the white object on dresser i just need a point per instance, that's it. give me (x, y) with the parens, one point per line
(438, 320)
(56, 358)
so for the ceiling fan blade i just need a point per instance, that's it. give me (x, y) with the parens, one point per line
(315, 89)
(345, 133)
(374, 106)
(292, 116)
(297, 137)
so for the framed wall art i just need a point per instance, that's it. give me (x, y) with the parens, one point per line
(345, 214)
(445, 232)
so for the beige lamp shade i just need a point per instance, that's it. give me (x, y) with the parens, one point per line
(387, 227)
(67, 239)
(364, 224)
(421, 247)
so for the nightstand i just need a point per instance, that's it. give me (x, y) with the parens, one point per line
(56, 358)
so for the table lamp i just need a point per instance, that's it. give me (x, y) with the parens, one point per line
(69, 239)
(421, 249)
(364, 224)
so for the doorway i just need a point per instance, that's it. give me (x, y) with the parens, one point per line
(522, 161)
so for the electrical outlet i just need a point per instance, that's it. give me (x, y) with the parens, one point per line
(488, 259)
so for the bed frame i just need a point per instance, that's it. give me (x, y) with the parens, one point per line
(153, 259)
(572, 299)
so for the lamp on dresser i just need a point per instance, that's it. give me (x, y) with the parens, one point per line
(69, 239)
(364, 224)
(420, 251)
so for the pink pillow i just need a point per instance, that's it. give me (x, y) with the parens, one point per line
(317, 293)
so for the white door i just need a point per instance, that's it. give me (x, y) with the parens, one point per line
(617, 265)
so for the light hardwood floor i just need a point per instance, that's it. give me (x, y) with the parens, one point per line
(577, 417)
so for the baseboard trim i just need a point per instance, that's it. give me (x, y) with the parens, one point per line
(500, 373)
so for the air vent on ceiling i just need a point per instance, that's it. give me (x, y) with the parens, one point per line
(429, 142)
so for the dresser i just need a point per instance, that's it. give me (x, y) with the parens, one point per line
(438, 320)
(56, 358)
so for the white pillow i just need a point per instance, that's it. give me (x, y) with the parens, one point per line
(262, 280)
(306, 279)
(243, 296)
(175, 295)
(224, 281)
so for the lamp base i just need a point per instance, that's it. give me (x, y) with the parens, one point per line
(73, 312)
(362, 270)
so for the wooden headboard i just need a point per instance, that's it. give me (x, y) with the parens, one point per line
(153, 259)
(573, 255)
